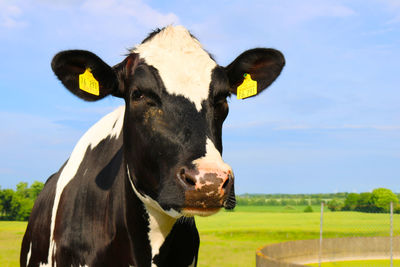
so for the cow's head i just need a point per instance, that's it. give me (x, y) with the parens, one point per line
(176, 102)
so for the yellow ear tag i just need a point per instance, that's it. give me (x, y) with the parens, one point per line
(88, 83)
(247, 88)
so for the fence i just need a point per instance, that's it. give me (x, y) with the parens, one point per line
(376, 238)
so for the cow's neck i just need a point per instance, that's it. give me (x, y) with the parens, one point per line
(160, 226)
(160, 223)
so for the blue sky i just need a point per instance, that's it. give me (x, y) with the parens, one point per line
(330, 123)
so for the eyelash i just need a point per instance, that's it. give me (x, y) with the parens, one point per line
(137, 95)
(151, 98)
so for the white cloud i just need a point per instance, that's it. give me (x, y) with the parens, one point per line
(22, 130)
(100, 24)
(93, 20)
(32, 147)
(142, 12)
(10, 15)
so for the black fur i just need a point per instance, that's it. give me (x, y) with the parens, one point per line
(172, 253)
(68, 65)
(263, 64)
(38, 230)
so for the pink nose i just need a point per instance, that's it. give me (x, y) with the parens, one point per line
(206, 178)
(205, 187)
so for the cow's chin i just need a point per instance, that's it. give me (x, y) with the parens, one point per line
(192, 211)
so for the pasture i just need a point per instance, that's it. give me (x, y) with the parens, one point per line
(231, 238)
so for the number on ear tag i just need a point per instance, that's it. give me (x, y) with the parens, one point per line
(88, 83)
(247, 88)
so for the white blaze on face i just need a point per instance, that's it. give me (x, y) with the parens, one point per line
(185, 68)
(212, 162)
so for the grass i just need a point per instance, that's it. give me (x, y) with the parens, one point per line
(11, 234)
(231, 238)
(279, 209)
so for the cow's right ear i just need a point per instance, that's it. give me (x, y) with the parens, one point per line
(86, 75)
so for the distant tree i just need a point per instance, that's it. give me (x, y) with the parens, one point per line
(17, 205)
(396, 208)
(364, 203)
(381, 198)
(259, 201)
(351, 201)
(6, 197)
(20, 208)
(316, 201)
(335, 205)
(303, 202)
(22, 190)
(35, 189)
(308, 209)
(284, 202)
(273, 202)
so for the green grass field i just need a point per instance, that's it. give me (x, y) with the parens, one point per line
(10, 241)
(231, 238)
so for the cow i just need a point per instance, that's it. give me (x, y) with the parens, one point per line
(128, 193)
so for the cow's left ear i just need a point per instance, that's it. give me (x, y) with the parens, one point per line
(85, 74)
(263, 64)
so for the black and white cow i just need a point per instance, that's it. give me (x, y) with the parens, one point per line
(128, 193)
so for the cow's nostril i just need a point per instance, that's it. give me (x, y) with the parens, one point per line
(226, 182)
(189, 180)
(185, 177)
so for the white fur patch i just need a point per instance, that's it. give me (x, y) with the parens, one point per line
(193, 263)
(151, 202)
(98, 132)
(160, 220)
(28, 257)
(182, 63)
(212, 160)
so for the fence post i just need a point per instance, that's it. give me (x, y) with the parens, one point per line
(391, 234)
(320, 234)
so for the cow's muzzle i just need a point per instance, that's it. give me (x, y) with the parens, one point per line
(207, 190)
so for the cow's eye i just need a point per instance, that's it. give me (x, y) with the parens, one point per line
(137, 94)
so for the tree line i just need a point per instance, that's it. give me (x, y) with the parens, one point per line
(250, 200)
(287, 199)
(377, 201)
(16, 205)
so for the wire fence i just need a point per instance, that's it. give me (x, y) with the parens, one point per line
(371, 224)
(343, 237)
